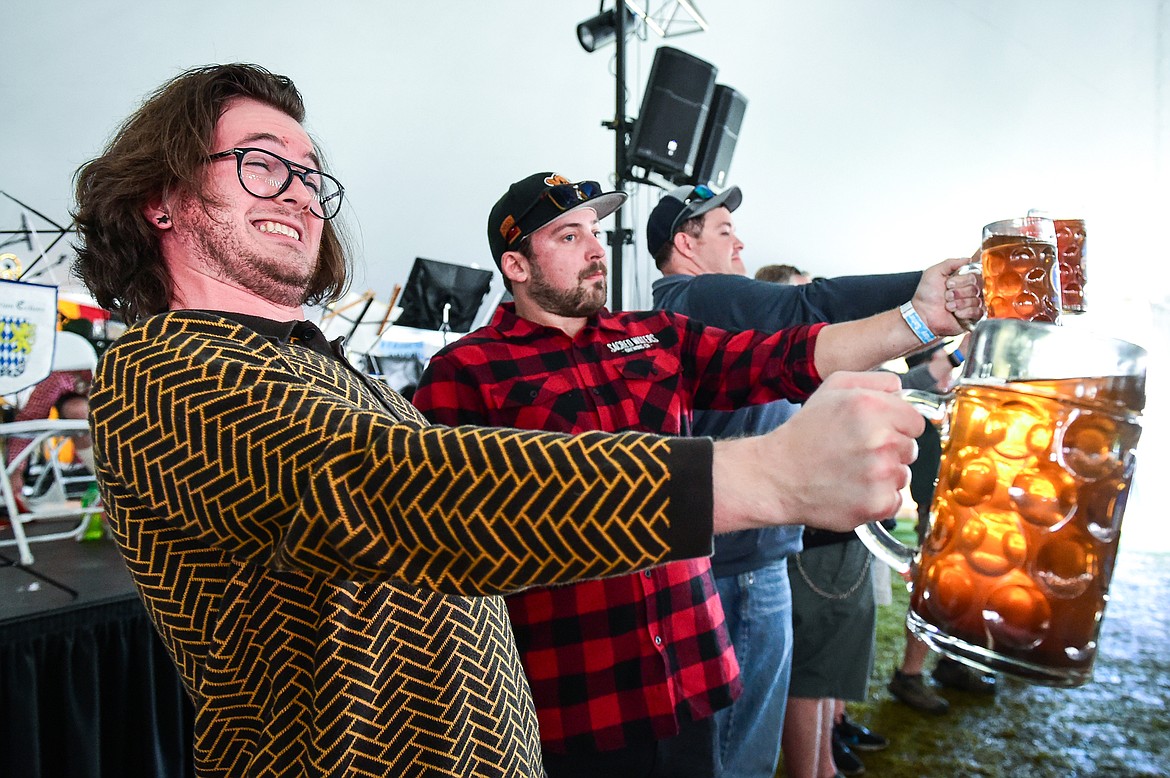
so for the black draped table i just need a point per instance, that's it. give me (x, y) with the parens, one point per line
(86, 687)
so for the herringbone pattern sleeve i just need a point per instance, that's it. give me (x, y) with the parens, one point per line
(314, 557)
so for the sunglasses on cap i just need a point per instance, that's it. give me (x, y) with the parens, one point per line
(562, 196)
(698, 194)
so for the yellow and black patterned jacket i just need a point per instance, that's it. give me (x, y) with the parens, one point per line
(323, 566)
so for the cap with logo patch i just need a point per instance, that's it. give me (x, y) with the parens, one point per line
(533, 202)
(678, 205)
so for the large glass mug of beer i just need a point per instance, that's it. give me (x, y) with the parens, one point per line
(1070, 249)
(1038, 440)
(1021, 275)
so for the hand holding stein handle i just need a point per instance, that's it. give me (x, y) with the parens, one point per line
(949, 298)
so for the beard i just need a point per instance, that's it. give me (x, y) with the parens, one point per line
(222, 249)
(582, 300)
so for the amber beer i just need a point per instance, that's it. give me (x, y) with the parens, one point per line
(1021, 278)
(1025, 523)
(1070, 247)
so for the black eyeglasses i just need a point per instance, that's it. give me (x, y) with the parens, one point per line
(562, 196)
(267, 175)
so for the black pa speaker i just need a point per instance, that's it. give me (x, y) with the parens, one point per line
(666, 134)
(719, 137)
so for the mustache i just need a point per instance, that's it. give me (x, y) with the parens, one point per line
(595, 267)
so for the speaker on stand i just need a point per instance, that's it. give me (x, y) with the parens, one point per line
(666, 134)
(719, 137)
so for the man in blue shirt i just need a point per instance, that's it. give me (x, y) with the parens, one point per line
(692, 237)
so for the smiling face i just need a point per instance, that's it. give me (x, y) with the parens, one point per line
(264, 247)
(566, 273)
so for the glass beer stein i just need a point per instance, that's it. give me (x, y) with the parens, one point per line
(1021, 275)
(1038, 451)
(1070, 246)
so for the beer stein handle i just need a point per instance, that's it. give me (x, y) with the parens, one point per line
(877, 538)
(974, 267)
(1108, 534)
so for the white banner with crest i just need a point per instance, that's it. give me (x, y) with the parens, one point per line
(28, 331)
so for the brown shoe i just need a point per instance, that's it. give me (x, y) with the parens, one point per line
(957, 675)
(912, 690)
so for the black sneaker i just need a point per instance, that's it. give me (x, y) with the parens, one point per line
(857, 737)
(956, 675)
(847, 761)
(913, 691)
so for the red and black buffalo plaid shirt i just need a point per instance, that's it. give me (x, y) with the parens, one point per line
(613, 661)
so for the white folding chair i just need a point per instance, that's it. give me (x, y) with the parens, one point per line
(72, 352)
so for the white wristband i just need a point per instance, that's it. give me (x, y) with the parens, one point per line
(916, 324)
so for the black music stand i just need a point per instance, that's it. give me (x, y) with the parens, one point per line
(442, 296)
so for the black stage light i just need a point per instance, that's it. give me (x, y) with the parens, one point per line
(597, 32)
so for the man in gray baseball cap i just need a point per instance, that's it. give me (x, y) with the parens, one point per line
(691, 234)
(675, 212)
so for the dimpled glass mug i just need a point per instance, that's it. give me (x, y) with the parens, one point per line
(1038, 441)
(1021, 275)
(1070, 247)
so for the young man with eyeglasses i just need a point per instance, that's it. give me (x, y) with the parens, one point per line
(626, 671)
(322, 565)
(691, 235)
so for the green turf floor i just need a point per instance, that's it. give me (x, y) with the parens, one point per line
(1116, 725)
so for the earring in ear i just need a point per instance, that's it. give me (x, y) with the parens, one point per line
(164, 219)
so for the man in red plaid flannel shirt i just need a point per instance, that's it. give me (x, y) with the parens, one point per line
(626, 671)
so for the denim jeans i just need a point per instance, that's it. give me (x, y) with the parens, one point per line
(758, 606)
